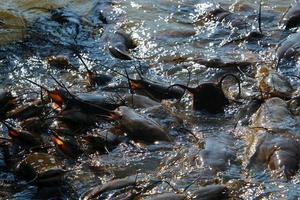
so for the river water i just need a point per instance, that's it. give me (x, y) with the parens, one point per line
(169, 35)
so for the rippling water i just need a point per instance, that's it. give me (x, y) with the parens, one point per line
(168, 34)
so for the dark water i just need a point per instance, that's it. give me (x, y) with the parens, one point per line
(168, 35)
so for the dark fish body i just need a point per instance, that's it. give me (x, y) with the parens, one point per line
(277, 152)
(119, 45)
(139, 101)
(217, 153)
(211, 192)
(111, 185)
(166, 196)
(292, 17)
(101, 11)
(7, 103)
(156, 91)
(209, 97)
(41, 168)
(288, 47)
(225, 16)
(141, 128)
(102, 142)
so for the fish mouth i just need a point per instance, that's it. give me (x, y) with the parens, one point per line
(56, 98)
(13, 133)
(57, 141)
(115, 116)
(134, 85)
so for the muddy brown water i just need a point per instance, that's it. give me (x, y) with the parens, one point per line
(168, 34)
